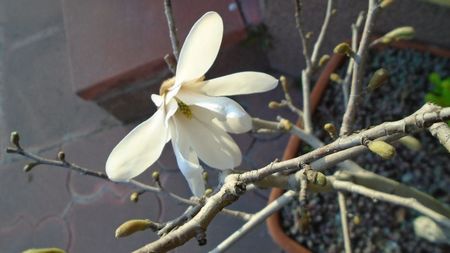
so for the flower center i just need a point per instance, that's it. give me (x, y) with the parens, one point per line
(184, 108)
(165, 86)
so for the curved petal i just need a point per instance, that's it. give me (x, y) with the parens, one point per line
(230, 115)
(239, 84)
(139, 149)
(200, 48)
(187, 161)
(157, 99)
(211, 143)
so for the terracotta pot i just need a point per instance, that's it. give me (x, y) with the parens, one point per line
(274, 222)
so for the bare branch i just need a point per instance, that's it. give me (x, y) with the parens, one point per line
(442, 132)
(344, 222)
(172, 29)
(407, 202)
(358, 70)
(348, 75)
(323, 30)
(141, 187)
(257, 218)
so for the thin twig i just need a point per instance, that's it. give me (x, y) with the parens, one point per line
(301, 32)
(172, 28)
(407, 202)
(39, 160)
(358, 71)
(323, 30)
(344, 222)
(257, 218)
(348, 75)
(442, 132)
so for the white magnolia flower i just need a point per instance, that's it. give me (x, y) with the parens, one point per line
(192, 114)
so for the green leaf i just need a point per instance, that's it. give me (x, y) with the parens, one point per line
(431, 98)
(434, 78)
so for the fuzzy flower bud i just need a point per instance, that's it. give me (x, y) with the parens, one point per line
(381, 148)
(14, 138)
(386, 3)
(411, 142)
(208, 191)
(274, 105)
(400, 33)
(330, 129)
(343, 48)
(335, 78)
(155, 175)
(378, 79)
(134, 197)
(286, 124)
(61, 156)
(324, 59)
(28, 167)
(132, 226)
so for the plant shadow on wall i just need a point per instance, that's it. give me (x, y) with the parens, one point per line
(193, 114)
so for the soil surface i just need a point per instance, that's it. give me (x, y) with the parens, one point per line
(376, 226)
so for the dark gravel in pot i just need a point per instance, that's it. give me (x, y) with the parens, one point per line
(376, 226)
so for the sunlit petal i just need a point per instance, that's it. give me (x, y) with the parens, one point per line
(139, 149)
(211, 143)
(187, 161)
(239, 84)
(231, 116)
(157, 100)
(200, 48)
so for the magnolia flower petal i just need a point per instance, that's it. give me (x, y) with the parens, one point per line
(139, 149)
(230, 115)
(189, 165)
(187, 159)
(211, 143)
(200, 48)
(239, 84)
(157, 99)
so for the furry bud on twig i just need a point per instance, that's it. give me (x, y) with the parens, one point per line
(205, 176)
(410, 142)
(132, 226)
(208, 192)
(330, 129)
(308, 35)
(381, 148)
(386, 3)
(134, 197)
(315, 177)
(283, 82)
(324, 59)
(44, 250)
(15, 138)
(62, 156)
(335, 78)
(344, 48)
(285, 124)
(274, 105)
(400, 33)
(378, 79)
(29, 166)
(155, 175)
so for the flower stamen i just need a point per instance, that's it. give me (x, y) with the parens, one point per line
(165, 86)
(184, 108)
